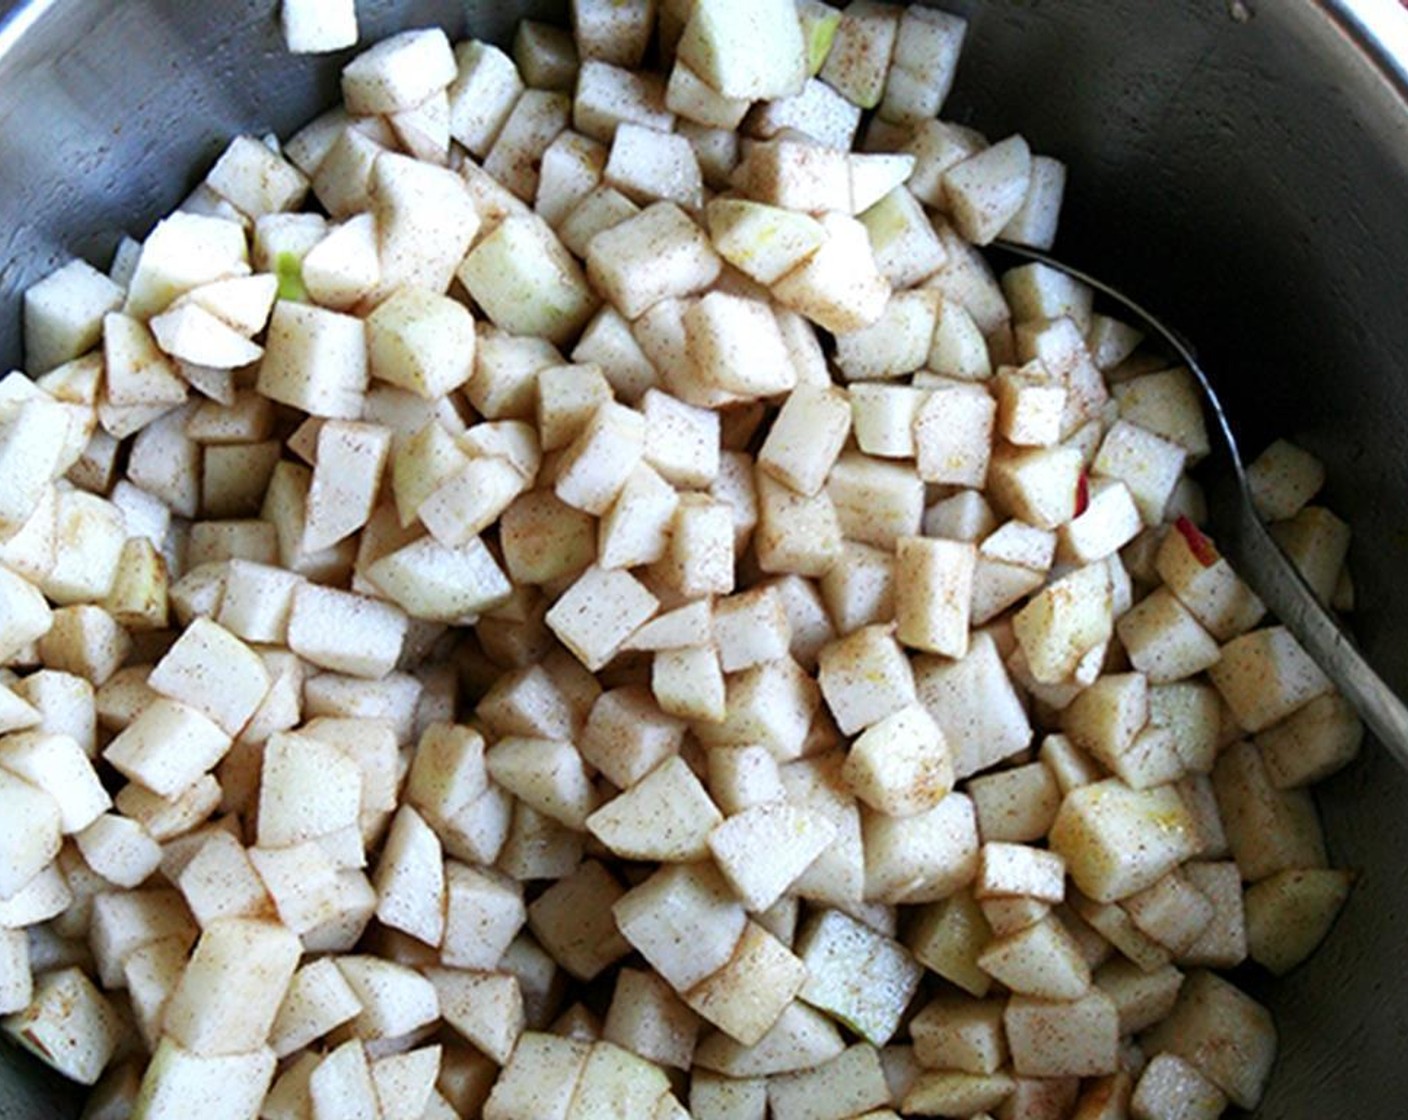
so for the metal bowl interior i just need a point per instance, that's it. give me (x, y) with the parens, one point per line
(1241, 169)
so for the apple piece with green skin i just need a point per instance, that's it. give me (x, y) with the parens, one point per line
(859, 62)
(819, 24)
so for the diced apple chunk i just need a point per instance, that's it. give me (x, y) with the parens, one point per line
(1105, 834)
(684, 921)
(792, 838)
(1265, 676)
(1223, 1033)
(667, 816)
(745, 50)
(861, 977)
(1291, 912)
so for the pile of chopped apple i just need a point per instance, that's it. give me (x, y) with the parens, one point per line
(568, 590)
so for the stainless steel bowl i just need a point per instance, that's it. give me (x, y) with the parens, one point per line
(1241, 167)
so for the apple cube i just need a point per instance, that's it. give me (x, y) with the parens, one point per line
(486, 1008)
(1223, 1033)
(1064, 622)
(421, 341)
(1063, 1039)
(1268, 829)
(228, 1086)
(256, 180)
(571, 169)
(985, 191)
(793, 837)
(766, 242)
(168, 746)
(1109, 521)
(771, 705)
(483, 913)
(857, 975)
(315, 360)
(649, 166)
(183, 252)
(1040, 961)
(975, 705)
(860, 589)
(745, 50)
(599, 612)
(546, 55)
(627, 735)
(1017, 805)
(801, 1038)
(657, 254)
(318, 27)
(16, 981)
(688, 683)
(1308, 746)
(951, 1093)
(901, 765)
(960, 1033)
(220, 882)
(482, 95)
(876, 502)
(839, 287)
(1008, 870)
(1148, 464)
(934, 594)
(539, 1080)
(1206, 584)
(69, 1024)
(1163, 639)
(796, 174)
(953, 436)
(346, 632)
(746, 997)
(859, 60)
(617, 33)
(1105, 833)
(209, 1015)
(1172, 912)
(1290, 913)
(922, 68)
(399, 72)
(606, 95)
(713, 1096)
(526, 282)
(64, 313)
(864, 678)
(684, 921)
(666, 816)
(1265, 676)
(883, 418)
(736, 346)
(1283, 478)
(649, 1019)
(741, 778)
(1036, 220)
(850, 1084)
(1169, 1086)
(897, 343)
(1037, 485)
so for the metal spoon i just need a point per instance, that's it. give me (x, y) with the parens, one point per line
(1242, 536)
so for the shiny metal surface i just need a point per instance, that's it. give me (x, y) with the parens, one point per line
(1243, 167)
(1243, 537)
